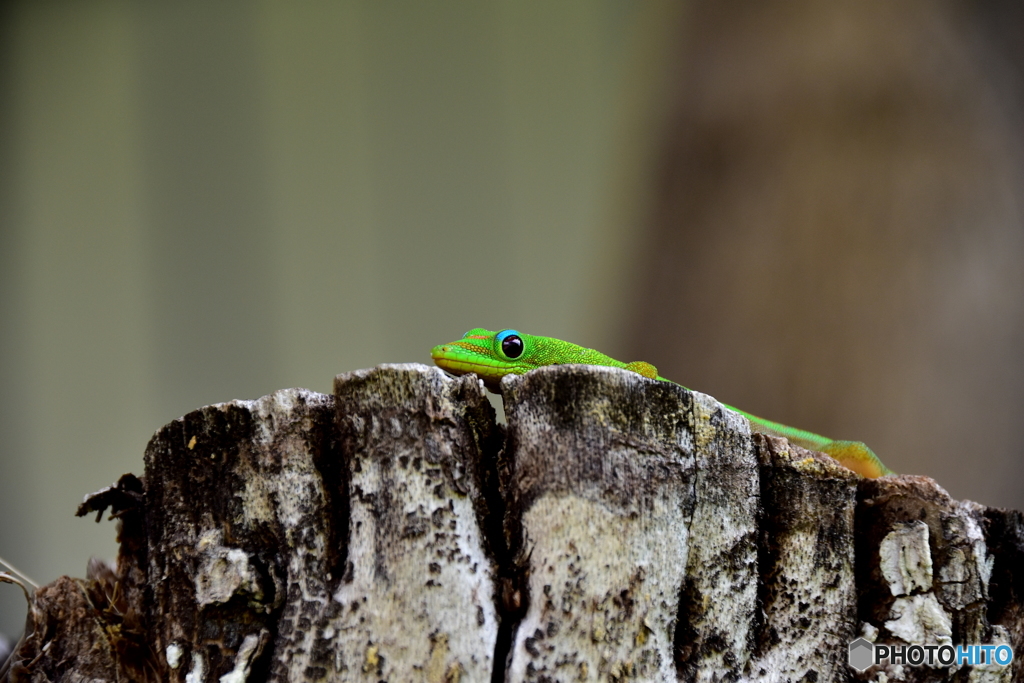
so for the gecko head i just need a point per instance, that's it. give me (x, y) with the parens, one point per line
(490, 355)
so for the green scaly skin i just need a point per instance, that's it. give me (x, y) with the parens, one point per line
(483, 352)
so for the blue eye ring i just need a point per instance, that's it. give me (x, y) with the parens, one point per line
(510, 344)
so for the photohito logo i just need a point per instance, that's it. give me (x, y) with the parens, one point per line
(863, 653)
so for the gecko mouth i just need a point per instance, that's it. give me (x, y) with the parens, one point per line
(462, 366)
(488, 372)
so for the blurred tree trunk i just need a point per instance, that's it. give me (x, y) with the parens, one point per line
(838, 232)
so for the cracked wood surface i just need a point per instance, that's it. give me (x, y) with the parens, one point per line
(618, 528)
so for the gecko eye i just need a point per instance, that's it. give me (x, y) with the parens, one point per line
(511, 344)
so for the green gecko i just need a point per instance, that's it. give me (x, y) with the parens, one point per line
(492, 355)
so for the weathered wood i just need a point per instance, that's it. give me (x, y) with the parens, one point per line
(806, 565)
(601, 470)
(620, 528)
(418, 595)
(718, 602)
(341, 531)
(627, 500)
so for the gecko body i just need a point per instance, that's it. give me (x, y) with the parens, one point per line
(492, 355)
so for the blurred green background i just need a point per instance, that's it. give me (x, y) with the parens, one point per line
(814, 211)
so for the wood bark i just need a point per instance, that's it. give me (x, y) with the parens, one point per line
(618, 528)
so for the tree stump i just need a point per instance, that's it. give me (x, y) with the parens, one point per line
(618, 528)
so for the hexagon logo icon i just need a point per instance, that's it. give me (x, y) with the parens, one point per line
(862, 654)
